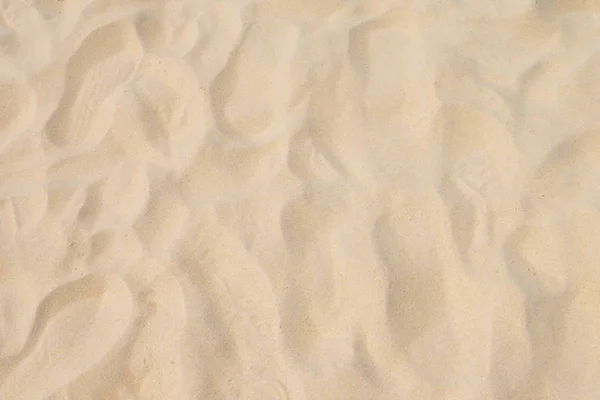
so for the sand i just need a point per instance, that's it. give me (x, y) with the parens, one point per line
(299, 200)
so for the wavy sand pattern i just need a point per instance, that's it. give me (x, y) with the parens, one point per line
(297, 200)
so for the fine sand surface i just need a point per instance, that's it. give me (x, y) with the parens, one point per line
(299, 200)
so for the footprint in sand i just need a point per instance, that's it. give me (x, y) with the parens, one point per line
(220, 29)
(105, 62)
(172, 103)
(566, 180)
(483, 183)
(76, 326)
(159, 119)
(434, 310)
(217, 262)
(413, 264)
(250, 97)
(553, 257)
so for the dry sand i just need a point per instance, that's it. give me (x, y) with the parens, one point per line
(299, 200)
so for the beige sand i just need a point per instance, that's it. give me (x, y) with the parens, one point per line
(299, 200)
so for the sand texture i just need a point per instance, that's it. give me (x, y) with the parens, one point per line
(299, 200)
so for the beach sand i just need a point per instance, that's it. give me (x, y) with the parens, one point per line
(299, 200)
